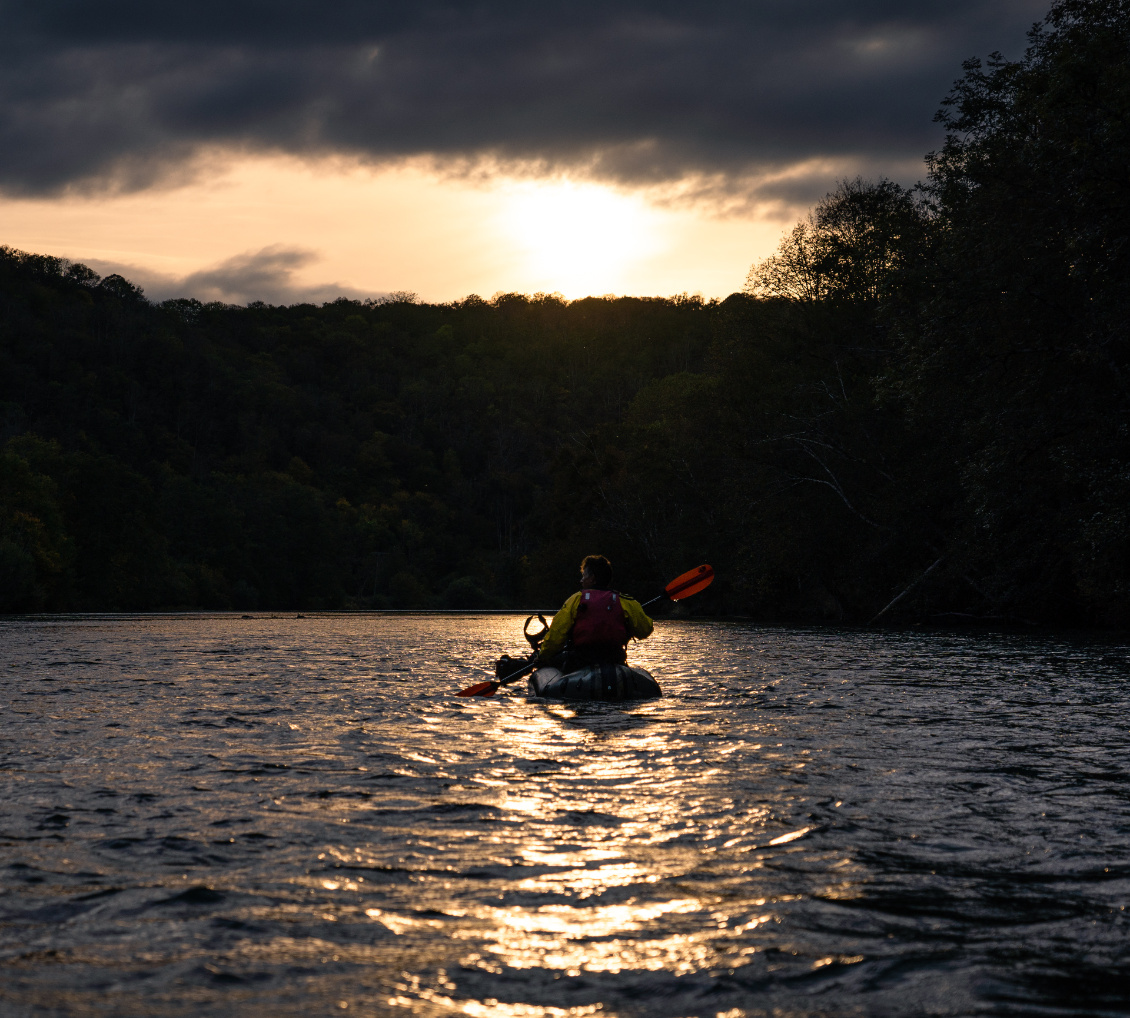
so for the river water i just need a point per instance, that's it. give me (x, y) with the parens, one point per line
(276, 816)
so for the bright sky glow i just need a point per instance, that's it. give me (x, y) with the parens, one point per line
(582, 238)
(361, 231)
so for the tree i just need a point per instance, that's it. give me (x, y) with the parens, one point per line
(853, 247)
(1018, 351)
(35, 550)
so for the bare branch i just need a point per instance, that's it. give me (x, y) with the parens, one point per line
(907, 591)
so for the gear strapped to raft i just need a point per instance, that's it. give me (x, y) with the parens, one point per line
(534, 639)
(506, 665)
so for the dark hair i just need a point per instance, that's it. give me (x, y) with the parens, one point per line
(600, 569)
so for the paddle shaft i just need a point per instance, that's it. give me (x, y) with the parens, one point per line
(515, 676)
(492, 686)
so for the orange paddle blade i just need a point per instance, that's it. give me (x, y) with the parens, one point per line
(690, 583)
(487, 688)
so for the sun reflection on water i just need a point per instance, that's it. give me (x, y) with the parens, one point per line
(620, 822)
(614, 938)
(324, 838)
(475, 857)
(413, 991)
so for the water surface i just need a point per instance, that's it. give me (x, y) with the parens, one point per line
(215, 815)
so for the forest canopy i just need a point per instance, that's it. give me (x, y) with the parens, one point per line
(921, 398)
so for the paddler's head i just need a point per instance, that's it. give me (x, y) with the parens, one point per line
(596, 573)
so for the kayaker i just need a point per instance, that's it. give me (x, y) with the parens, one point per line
(595, 624)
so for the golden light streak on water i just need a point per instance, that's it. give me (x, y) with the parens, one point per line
(793, 822)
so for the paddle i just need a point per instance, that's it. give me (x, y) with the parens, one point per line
(490, 687)
(681, 587)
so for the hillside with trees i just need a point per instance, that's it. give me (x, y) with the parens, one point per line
(921, 398)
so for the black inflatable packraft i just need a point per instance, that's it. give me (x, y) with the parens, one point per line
(595, 682)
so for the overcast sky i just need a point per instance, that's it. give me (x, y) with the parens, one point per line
(763, 103)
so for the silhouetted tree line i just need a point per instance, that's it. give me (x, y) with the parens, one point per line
(919, 407)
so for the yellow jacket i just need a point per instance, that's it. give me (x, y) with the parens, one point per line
(638, 624)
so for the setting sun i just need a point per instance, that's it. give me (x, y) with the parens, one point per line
(581, 238)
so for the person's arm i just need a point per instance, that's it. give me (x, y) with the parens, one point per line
(639, 625)
(559, 628)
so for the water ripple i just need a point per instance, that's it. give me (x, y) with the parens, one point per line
(212, 815)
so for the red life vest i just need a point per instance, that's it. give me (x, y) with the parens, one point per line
(600, 621)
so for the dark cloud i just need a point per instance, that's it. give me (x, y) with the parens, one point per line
(123, 93)
(266, 275)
